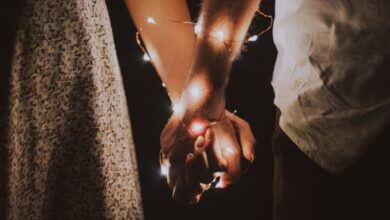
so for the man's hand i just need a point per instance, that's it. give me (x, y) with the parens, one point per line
(234, 146)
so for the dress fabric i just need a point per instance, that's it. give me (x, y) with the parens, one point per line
(70, 152)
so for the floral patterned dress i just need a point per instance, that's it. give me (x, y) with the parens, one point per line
(69, 152)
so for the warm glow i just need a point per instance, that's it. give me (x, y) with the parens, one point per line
(218, 174)
(197, 127)
(146, 57)
(177, 108)
(220, 183)
(253, 38)
(220, 35)
(229, 150)
(165, 168)
(197, 29)
(195, 92)
(151, 20)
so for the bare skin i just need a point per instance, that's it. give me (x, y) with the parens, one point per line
(202, 63)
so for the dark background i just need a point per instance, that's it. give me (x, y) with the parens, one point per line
(249, 92)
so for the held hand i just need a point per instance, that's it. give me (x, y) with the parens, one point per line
(234, 147)
(190, 162)
(184, 161)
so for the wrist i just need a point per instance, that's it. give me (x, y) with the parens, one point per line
(197, 122)
(203, 99)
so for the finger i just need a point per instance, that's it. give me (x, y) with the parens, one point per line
(217, 162)
(209, 136)
(193, 185)
(199, 151)
(214, 152)
(227, 150)
(172, 176)
(201, 168)
(183, 191)
(179, 192)
(200, 144)
(177, 158)
(245, 136)
(231, 153)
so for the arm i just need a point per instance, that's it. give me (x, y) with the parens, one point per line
(224, 24)
(170, 45)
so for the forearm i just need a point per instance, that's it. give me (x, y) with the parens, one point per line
(224, 24)
(170, 44)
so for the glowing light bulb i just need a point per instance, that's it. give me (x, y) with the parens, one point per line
(253, 38)
(218, 179)
(220, 184)
(150, 20)
(177, 108)
(229, 150)
(197, 127)
(195, 92)
(220, 35)
(165, 168)
(146, 57)
(197, 29)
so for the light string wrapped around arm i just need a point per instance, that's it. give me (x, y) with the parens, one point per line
(216, 35)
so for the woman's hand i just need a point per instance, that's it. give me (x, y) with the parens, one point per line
(184, 160)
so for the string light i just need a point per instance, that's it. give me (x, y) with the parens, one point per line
(197, 29)
(195, 92)
(165, 168)
(220, 35)
(253, 38)
(177, 108)
(197, 127)
(151, 20)
(229, 150)
(220, 184)
(146, 57)
(218, 180)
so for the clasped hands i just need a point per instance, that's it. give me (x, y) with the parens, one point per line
(198, 152)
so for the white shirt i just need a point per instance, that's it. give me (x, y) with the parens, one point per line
(331, 77)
